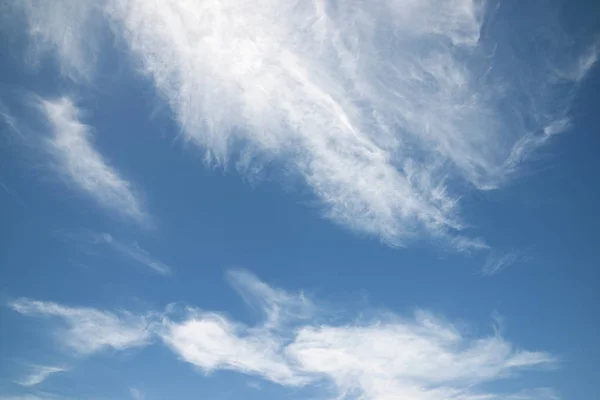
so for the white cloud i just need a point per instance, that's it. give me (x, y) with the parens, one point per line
(135, 253)
(536, 394)
(21, 397)
(7, 118)
(587, 60)
(136, 394)
(34, 396)
(422, 357)
(279, 307)
(82, 166)
(39, 373)
(47, 27)
(418, 358)
(380, 106)
(87, 330)
(496, 262)
(212, 342)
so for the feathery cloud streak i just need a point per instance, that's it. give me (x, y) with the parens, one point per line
(422, 357)
(82, 166)
(86, 330)
(50, 34)
(497, 262)
(380, 106)
(22, 397)
(39, 373)
(135, 253)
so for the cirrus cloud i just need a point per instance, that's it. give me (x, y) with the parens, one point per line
(421, 357)
(87, 330)
(39, 373)
(384, 108)
(82, 166)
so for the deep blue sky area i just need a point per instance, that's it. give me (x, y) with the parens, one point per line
(132, 268)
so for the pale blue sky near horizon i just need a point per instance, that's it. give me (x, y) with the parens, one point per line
(410, 218)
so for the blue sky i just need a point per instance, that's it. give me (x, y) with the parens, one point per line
(328, 199)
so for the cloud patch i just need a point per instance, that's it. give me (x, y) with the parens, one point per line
(87, 330)
(496, 262)
(136, 394)
(134, 253)
(82, 166)
(50, 34)
(22, 397)
(421, 357)
(39, 373)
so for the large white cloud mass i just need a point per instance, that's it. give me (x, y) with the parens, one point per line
(387, 109)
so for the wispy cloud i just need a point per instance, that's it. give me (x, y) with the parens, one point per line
(587, 60)
(277, 306)
(22, 397)
(13, 195)
(496, 262)
(82, 166)
(39, 373)
(37, 395)
(223, 345)
(46, 26)
(136, 394)
(536, 394)
(134, 253)
(421, 357)
(9, 121)
(86, 330)
(382, 107)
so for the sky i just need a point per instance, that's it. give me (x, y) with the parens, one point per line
(316, 199)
